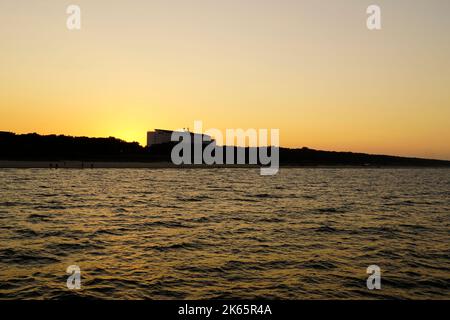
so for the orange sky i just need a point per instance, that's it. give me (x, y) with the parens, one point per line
(310, 68)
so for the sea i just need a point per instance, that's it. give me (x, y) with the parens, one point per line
(305, 233)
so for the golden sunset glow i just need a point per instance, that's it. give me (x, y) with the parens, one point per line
(310, 68)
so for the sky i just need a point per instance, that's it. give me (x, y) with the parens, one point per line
(309, 68)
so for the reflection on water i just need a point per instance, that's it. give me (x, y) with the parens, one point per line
(224, 233)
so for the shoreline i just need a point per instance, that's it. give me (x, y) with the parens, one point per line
(23, 164)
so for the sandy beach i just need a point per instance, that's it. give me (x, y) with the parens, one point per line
(107, 165)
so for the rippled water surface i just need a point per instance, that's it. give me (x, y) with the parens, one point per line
(225, 233)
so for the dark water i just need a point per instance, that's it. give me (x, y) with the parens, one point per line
(226, 233)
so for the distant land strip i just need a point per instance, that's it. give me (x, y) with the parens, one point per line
(60, 151)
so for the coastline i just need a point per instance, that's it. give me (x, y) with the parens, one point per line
(23, 164)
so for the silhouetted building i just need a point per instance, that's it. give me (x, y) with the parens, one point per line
(160, 136)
